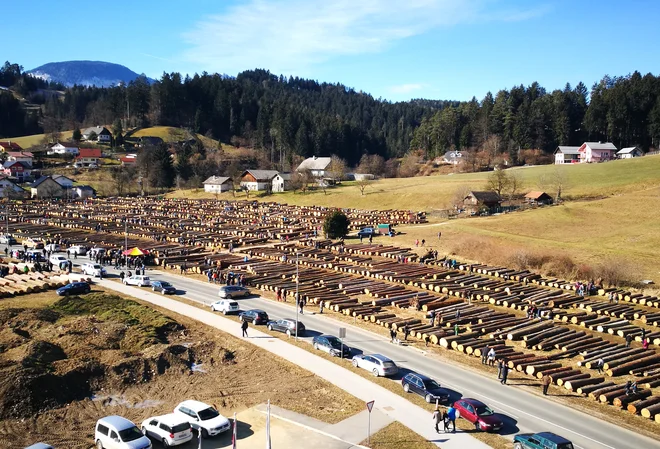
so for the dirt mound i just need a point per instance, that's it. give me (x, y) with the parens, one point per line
(175, 359)
(42, 354)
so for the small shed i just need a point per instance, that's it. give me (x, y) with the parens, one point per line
(476, 202)
(538, 198)
(281, 182)
(629, 153)
(218, 184)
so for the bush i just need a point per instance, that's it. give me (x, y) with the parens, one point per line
(617, 273)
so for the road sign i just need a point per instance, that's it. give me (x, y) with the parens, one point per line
(370, 405)
(342, 332)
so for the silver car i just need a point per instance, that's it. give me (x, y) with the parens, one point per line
(233, 291)
(378, 364)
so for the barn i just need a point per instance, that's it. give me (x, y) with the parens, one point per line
(257, 180)
(477, 202)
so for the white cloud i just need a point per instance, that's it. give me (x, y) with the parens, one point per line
(405, 88)
(290, 36)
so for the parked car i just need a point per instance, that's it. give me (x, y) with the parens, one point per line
(479, 414)
(93, 269)
(203, 418)
(116, 432)
(256, 316)
(53, 247)
(74, 288)
(367, 232)
(57, 260)
(541, 440)
(164, 287)
(34, 242)
(424, 386)
(232, 291)
(378, 364)
(37, 255)
(286, 325)
(225, 306)
(139, 280)
(40, 446)
(92, 253)
(332, 345)
(170, 429)
(7, 239)
(77, 249)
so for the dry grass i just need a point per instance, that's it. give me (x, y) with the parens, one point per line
(171, 134)
(36, 139)
(398, 436)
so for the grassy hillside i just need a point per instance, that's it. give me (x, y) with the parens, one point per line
(36, 139)
(171, 134)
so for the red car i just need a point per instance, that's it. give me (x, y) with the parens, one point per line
(478, 414)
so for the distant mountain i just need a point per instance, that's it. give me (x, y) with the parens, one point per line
(86, 73)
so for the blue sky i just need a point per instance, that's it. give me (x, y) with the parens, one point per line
(394, 49)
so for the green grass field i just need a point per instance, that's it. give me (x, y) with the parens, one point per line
(29, 141)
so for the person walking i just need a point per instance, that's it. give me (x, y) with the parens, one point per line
(500, 364)
(628, 340)
(484, 355)
(491, 357)
(451, 416)
(505, 373)
(406, 331)
(393, 335)
(456, 329)
(301, 304)
(599, 365)
(546, 383)
(244, 328)
(437, 418)
(643, 335)
(320, 306)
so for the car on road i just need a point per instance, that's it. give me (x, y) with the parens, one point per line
(378, 364)
(424, 386)
(479, 414)
(225, 306)
(164, 287)
(170, 429)
(286, 325)
(53, 247)
(57, 260)
(255, 316)
(77, 249)
(74, 288)
(541, 440)
(233, 291)
(203, 418)
(92, 253)
(37, 255)
(139, 280)
(116, 432)
(34, 242)
(93, 269)
(367, 232)
(332, 345)
(7, 239)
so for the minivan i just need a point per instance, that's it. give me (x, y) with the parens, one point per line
(116, 432)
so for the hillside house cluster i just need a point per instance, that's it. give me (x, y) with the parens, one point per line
(64, 149)
(592, 152)
(59, 186)
(97, 134)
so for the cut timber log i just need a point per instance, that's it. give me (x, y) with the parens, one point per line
(573, 385)
(636, 407)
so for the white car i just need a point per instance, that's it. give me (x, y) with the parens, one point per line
(171, 429)
(116, 432)
(57, 260)
(225, 306)
(77, 249)
(93, 269)
(6, 239)
(53, 247)
(378, 364)
(139, 280)
(202, 417)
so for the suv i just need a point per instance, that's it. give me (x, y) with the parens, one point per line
(115, 432)
(541, 440)
(58, 260)
(77, 249)
(367, 232)
(332, 345)
(378, 364)
(232, 291)
(225, 306)
(256, 316)
(170, 429)
(92, 269)
(424, 386)
(139, 280)
(202, 417)
(287, 325)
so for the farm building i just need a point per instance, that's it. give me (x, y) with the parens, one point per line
(476, 202)
(9, 189)
(46, 187)
(281, 182)
(257, 180)
(83, 192)
(217, 184)
(629, 153)
(567, 155)
(538, 198)
(102, 134)
(318, 166)
(597, 152)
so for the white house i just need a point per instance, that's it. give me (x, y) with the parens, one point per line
(629, 153)
(567, 155)
(63, 181)
(102, 134)
(83, 192)
(453, 157)
(318, 166)
(257, 179)
(8, 189)
(280, 182)
(64, 149)
(89, 156)
(597, 152)
(217, 184)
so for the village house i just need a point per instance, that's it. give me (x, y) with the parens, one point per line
(46, 187)
(597, 152)
(567, 155)
(63, 149)
(538, 198)
(281, 182)
(21, 156)
(453, 157)
(8, 146)
(9, 189)
(83, 192)
(20, 171)
(317, 166)
(218, 184)
(89, 156)
(629, 153)
(62, 180)
(129, 161)
(479, 202)
(102, 134)
(257, 180)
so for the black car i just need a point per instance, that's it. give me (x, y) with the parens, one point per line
(74, 288)
(332, 345)
(424, 386)
(164, 287)
(287, 325)
(256, 316)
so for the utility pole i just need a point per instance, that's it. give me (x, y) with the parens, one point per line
(126, 233)
(297, 304)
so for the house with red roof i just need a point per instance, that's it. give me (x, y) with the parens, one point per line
(10, 146)
(89, 156)
(597, 152)
(20, 156)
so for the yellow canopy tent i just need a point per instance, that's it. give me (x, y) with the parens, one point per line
(136, 252)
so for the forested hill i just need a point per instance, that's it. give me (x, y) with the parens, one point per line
(287, 116)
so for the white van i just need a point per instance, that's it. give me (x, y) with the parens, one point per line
(115, 432)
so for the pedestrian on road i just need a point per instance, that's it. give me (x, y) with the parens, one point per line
(505, 373)
(244, 327)
(437, 418)
(628, 340)
(500, 364)
(301, 305)
(484, 355)
(445, 421)
(451, 416)
(546, 383)
(122, 275)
